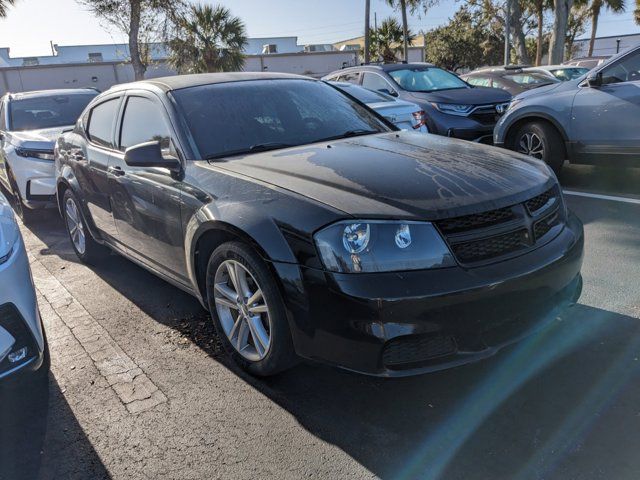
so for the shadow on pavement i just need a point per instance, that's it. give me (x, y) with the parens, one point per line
(563, 403)
(40, 437)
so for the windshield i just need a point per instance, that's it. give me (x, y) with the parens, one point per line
(530, 79)
(242, 117)
(566, 74)
(426, 79)
(38, 113)
(365, 95)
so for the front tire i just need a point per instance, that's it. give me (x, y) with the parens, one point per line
(541, 140)
(86, 248)
(248, 311)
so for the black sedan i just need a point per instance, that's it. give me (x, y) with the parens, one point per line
(513, 79)
(310, 227)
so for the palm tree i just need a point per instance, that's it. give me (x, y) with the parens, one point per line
(208, 39)
(402, 4)
(387, 39)
(539, 7)
(616, 6)
(4, 5)
(636, 12)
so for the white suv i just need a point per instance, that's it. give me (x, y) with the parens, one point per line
(30, 123)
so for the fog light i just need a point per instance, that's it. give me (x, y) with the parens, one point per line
(18, 355)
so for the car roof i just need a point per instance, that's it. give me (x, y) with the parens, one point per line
(177, 82)
(53, 92)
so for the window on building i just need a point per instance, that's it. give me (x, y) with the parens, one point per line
(95, 57)
(30, 62)
(270, 48)
(101, 122)
(143, 122)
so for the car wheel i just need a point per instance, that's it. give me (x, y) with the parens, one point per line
(542, 141)
(86, 248)
(248, 310)
(26, 214)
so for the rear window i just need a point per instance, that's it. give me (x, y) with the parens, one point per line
(529, 78)
(47, 112)
(366, 96)
(234, 118)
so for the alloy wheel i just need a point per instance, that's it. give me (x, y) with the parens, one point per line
(531, 144)
(242, 310)
(75, 226)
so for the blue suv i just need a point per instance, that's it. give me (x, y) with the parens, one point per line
(450, 106)
(594, 119)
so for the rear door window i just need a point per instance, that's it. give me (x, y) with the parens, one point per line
(376, 82)
(101, 122)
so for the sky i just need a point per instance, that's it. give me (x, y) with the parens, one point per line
(32, 24)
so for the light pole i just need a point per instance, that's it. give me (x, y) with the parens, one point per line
(367, 54)
(507, 32)
(617, 45)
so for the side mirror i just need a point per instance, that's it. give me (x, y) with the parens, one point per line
(594, 80)
(149, 154)
(393, 93)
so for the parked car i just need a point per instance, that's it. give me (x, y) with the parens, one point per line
(592, 119)
(588, 62)
(23, 348)
(564, 73)
(452, 107)
(402, 114)
(30, 122)
(513, 79)
(311, 228)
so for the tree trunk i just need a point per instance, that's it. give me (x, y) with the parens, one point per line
(518, 34)
(139, 68)
(405, 30)
(595, 13)
(561, 9)
(367, 32)
(540, 39)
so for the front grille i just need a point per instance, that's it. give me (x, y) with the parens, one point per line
(493, 234)
(536, 203)
(410, 350)
(485, 118)
(491, 247)
(478, 220)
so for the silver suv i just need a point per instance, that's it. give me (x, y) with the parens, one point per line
(593, 119)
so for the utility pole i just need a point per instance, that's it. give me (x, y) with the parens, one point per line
(507, 32)
(367, 33)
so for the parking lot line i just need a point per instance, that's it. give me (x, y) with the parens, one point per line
(613, 198)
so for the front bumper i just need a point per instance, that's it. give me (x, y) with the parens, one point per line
(19, 312)
(36, 181)
(404, 323)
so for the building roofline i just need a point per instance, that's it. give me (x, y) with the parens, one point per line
(586, 39)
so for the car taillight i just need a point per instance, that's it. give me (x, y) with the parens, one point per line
(419, 117)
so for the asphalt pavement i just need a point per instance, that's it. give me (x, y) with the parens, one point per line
(139, 387)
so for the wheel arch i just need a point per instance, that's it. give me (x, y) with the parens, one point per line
(537, 117)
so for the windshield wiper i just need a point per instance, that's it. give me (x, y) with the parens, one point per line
(258, 147)
(349, 134)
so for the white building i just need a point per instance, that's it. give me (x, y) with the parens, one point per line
(606, 45)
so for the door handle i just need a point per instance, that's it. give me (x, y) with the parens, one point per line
(115, 171)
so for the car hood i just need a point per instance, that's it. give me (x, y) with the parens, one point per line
(465, 96)
(43, 138)
(8, 227)
(399, 175)
(546, 89)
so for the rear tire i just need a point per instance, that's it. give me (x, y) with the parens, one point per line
(541, 140)
(255, 333)
(87, 249)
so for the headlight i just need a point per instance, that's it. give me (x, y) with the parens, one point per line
(6, 257)
(453, 108)
(513, 103)
(32, 153)
(381, 246)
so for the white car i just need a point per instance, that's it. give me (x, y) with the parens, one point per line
(564, 73)
(404, 115)
(30, 123)
(22, 341)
